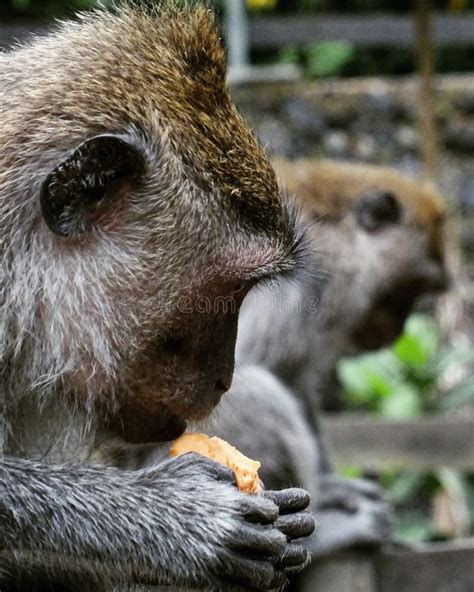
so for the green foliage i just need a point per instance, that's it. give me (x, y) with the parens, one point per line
(351, 472)
(419, 342)
(402, 486)
(369, 379)
(413, 493)
(318, 60)
(328, 58)
(403, 382)
(413, 527)
(289, 55)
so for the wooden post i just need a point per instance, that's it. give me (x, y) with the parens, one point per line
(237, 34)
(426, 109)
(340, 573)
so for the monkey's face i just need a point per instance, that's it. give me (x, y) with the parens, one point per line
(387, 258)
(154, 260)
(380, 236)
(157, 204)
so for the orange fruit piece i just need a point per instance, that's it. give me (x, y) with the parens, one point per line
(244, 469)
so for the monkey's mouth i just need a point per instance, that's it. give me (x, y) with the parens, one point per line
(386, 319)
(154, 422)
(148, 426)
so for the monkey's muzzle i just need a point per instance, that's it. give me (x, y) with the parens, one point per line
(145, 426)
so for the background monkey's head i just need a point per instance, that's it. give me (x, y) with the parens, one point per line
(137, 211)
(380, 236)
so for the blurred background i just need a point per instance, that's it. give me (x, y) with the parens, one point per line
(382, 82)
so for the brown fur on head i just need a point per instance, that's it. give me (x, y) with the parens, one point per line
(330, 189)
(133, 201)
(383, 233)
(164, 66)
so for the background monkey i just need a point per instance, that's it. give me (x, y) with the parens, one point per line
(379, 236)
(131, 192)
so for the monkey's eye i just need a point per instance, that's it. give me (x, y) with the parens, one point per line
(377, 209)
(241, 289)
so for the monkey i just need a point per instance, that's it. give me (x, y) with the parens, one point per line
(389, 280)
(137, 210)
(379, 235)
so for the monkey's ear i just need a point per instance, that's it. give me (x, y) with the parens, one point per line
(376, 209)
(81, 187)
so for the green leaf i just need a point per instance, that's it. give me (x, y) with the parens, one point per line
(404, 402)
(410, 351)
(405, 485)
(288, 54)
(452, 482)
(351, 472)
(380, 384)
(369, 378)
(413, 527)
(419, 342)
(354, 379)
(328, 58)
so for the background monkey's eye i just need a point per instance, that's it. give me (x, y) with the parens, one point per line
(239, 287)
(239, 290)
(377, 209)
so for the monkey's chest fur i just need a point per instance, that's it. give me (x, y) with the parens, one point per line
(50, 431)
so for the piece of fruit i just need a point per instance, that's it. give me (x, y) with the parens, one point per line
(244, 469)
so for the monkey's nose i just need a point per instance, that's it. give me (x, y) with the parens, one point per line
(222, 386)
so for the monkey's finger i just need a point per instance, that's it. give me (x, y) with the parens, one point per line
(214, 469)
(259, 542)
(295, 557)
(257, 509)
(252, 574)
(296, 526)
(289, 500)
(222, 473)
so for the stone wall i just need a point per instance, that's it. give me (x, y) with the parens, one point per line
(371, 120)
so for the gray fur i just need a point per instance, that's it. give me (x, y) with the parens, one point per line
(102, 327)
(115, 520)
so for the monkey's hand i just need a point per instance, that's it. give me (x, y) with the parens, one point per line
(223, 538)
(351, 513)
(183, 522)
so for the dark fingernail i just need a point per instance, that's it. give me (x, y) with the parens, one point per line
(294, 555)
(296, 526)
(289, 500)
